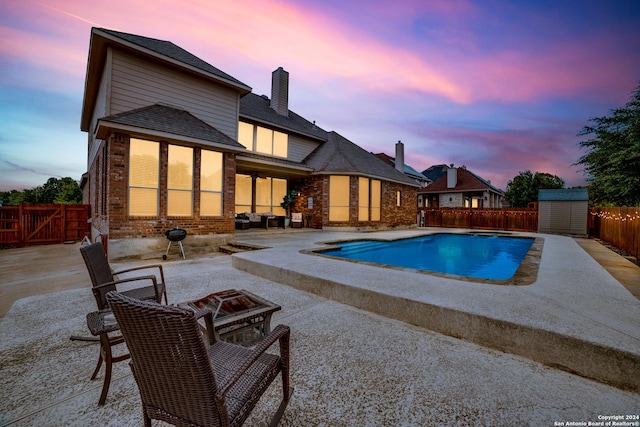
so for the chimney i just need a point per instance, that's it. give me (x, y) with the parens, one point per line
(280, 91)
(400, 156)
(452, 177)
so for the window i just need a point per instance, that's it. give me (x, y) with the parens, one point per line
(245, 135)
(180, 181)
(144, 169)
(375, 200)
(269, 194)
(338, 198)
(363, 199)
(398, 198)
(243, 193)
(263, 140)
(210, 183)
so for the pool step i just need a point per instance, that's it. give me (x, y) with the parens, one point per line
(235, 248)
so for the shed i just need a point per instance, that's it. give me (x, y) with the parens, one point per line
(563, 211)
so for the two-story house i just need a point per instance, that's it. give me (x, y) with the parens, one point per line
(173, 140)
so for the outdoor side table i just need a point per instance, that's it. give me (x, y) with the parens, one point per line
(239, 317)
(103, 323)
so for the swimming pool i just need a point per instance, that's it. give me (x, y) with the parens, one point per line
(489, 257)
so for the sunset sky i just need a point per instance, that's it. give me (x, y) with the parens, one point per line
(498, 86)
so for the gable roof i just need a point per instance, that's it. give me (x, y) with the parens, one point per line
(257, 108)
(466, 181)
(340, 156)
(167, 122)
(154, 49)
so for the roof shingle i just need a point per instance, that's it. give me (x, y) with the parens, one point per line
(172, 120)
(258, 107)
(340, 156)
(170, 50)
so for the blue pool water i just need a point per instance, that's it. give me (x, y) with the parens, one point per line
(477, 256)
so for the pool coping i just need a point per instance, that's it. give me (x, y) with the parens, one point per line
(526, 274)
(561, 327)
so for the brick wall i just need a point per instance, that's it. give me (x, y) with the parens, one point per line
(391, 215)
(115, 221)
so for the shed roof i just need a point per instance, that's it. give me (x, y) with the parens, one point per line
(565, 194)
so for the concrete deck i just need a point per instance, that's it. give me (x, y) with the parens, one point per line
(352, 366)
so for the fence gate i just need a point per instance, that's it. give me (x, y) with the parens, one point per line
(38, 224)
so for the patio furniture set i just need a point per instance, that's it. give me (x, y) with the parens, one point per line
(265, 220)
(192, 362)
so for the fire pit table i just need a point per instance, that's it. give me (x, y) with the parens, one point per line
(239, 317)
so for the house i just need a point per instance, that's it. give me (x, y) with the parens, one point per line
(399, 163)
(459, 188)
(175, 141)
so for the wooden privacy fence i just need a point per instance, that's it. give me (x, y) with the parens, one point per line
(619, 227)
(493, 219)
(40, 224)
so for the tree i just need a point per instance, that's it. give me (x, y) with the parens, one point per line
(612, 162)
(523, 188)
(65, 190)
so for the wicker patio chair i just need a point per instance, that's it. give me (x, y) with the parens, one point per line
(104, 279)
(184, 383)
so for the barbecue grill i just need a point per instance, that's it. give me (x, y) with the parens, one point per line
(175, 236)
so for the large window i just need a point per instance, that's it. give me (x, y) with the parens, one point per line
(263, 140)
(375, 200)
(363, 199)
(245, 135)
(338, 198)
(210, 183)
(269, 195)
(180, 181)
(144, 170)
(243, 193)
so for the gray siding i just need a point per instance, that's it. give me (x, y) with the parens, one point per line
(101, 109)
(300, 147)
(137, 83)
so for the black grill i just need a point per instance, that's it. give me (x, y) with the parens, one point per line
(175, 236)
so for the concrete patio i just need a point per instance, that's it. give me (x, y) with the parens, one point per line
(358, 356)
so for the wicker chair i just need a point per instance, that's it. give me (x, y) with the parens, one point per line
(104, 279)
(184, 383)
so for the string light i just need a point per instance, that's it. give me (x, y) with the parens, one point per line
(607, 215)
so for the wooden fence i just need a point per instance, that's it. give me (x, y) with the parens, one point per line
(620, 227)
(492, 219)
(41, 224)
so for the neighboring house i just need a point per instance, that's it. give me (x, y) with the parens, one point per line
(460, 188)
(173, 140)
(398, 163)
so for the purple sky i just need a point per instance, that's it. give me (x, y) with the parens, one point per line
(498, 86)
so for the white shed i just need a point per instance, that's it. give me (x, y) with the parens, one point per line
(563, 211)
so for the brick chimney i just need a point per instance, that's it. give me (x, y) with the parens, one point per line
(400, 156)
(280, 91)
(452, 176)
